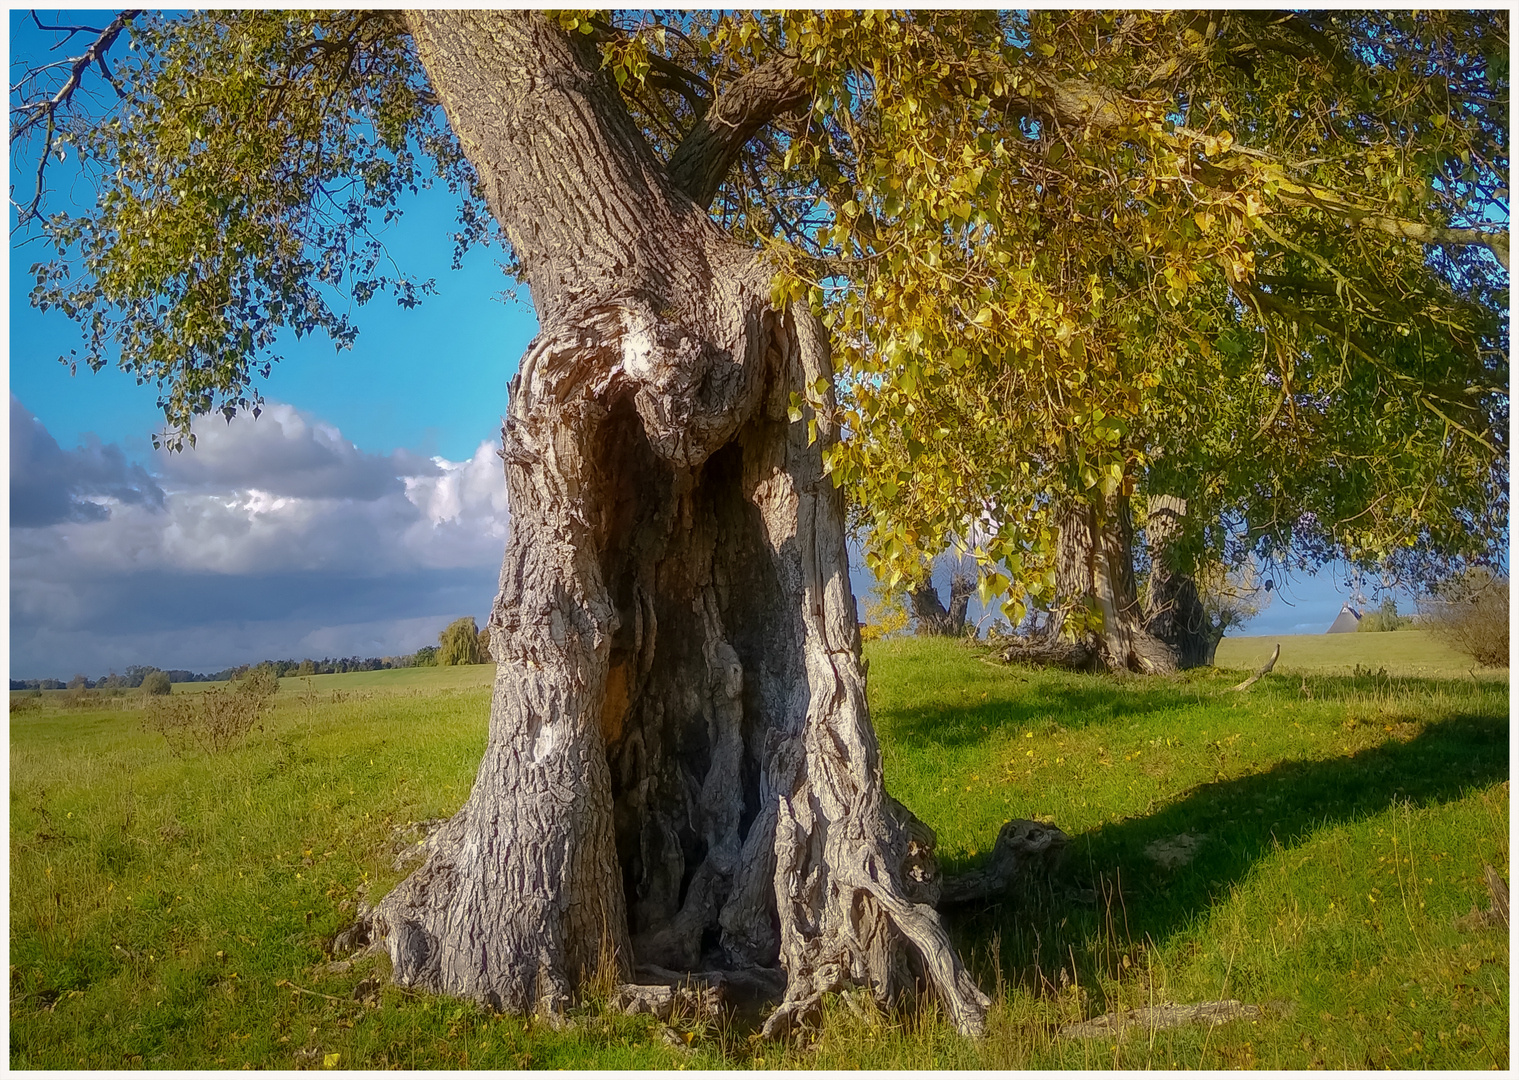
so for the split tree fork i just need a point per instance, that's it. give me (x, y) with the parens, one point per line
(681, 769)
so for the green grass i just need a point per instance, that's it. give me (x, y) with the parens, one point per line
(159, 904)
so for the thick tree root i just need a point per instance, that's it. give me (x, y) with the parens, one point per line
(855, 884)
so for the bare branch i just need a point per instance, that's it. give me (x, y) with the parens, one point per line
(29, 115)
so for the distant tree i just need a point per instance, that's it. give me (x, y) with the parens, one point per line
(1384, 619)
(426, 656)
(79, 682)
(484, 640)
(459, 643)
(1469, 612)
(155, 683)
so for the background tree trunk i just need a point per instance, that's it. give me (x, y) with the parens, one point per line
(681, 769)
(1174, 612)
(1094, 575)
(934, 619)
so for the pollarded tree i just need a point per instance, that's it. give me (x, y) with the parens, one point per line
(681, 767)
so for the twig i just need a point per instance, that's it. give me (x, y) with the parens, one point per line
(315, 993)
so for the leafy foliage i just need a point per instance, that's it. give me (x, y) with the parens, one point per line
(156, 683)
(884, 616)
(459, 643)
(1066, 254)
(238, 182)
(1384, 620)
(1254, 260)
(426, 656)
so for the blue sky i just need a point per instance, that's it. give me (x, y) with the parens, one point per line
(363, 512)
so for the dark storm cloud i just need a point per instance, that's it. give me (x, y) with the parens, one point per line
(270, 539)
(50, 485)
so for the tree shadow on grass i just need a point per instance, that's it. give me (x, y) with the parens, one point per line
(1241, 821)
(1076, 701)
(1096, 700)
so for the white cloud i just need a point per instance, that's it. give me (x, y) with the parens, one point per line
(270, 537)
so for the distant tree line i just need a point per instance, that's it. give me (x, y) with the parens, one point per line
(462, 642)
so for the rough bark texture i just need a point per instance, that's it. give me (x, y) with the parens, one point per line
(1094, 573)
(1174, 613)
(934, 619)
(681, 771)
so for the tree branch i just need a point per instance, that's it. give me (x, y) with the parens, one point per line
(1321, 198)
(30, 114)
(702, 160)
(1311, 195)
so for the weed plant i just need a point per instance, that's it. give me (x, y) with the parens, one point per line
(215, 720)
(174, 912)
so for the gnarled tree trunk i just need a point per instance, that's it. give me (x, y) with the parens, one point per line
(681, 770)
(934, 619)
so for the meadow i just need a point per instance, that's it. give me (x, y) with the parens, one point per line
(1314, 846)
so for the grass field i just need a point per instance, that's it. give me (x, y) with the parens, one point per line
(1408, 652)
(169, 912)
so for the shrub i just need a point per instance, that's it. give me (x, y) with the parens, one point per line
(156, 683)
(459, 643)
(215, 720)
(885, 616)
(1469, 612)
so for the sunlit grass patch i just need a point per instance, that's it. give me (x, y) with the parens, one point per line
(1308, 845)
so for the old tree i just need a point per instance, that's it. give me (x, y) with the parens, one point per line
(681, 773)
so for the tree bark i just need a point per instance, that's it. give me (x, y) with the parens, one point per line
(1174, 613)
(681, 770)
(1094, 576)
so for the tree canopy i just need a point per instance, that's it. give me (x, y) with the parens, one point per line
(1254, 259)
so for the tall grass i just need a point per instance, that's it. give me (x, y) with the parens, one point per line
(173, 912)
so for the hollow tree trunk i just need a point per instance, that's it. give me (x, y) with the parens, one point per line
(1174, 612)
(1094, 576)
(680, 770)
(934, 619)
